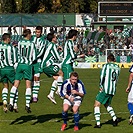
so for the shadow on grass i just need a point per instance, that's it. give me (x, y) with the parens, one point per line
(57, 117)
(111, 121)
(1, 103)
(45, 118)
(84, 114)
(37, 119)
(81, 125)
(23, 119)
(48, 117)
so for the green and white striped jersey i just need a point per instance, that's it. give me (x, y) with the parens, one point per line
(69, 55)
(39, 44)
(26, 52)
(16, 38)
(109, 77)
(7, 55)
(51, 54)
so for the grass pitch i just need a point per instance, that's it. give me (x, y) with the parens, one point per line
(46, 117)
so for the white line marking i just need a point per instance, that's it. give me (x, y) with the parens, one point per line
(58, 120)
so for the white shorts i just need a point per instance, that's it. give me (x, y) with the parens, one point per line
(74, 103)
(37, 74)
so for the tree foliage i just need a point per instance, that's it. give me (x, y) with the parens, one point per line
(50, 6)
(29, 6)
(46, 6)
(93, 6)
(8, 6)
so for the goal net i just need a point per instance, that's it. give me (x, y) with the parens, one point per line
(121, 55)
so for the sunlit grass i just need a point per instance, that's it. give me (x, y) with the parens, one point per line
(46, 117)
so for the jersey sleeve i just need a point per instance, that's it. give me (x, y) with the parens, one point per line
(63, 90)
(34, 54)
(102, 76)
(72, 53)
(14, 55)
(131, 69)
(81, 87)
(41, 49)
(55, 53)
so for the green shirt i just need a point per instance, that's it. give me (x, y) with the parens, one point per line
(69, 55)
(39, 44)
(51, 54)
(7, 55)
(26, 52)
(109, 77)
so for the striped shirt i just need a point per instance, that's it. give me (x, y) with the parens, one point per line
(69, 55)
(51, 54)
(109, 77)
(67, 87)
(39, 44)
(26, 52)
(7, 55)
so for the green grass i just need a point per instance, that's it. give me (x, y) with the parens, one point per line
(46, 117)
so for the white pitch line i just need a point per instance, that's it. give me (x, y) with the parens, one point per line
(57, 120)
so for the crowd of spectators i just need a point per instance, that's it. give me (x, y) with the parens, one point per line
(91, 42)
(95, 42)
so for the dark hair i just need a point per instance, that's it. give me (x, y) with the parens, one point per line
(75, 74)
(72, 33)
(39, 28)
(26, 32)
(50, 36)
(5, 36)
(111, 57)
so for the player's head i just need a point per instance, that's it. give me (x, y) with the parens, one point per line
(72, 34)
(38, 31)
(27, 33)
(51, 37)
(6, 37)
(111, 58)
(74, 78)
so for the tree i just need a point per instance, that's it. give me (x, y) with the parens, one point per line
(71, 6)
(93, 6)
(49, 6)
(56, 6)
(29, 6)
(19, 5)
(86, 8)
(46, 5)
(8, 6)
